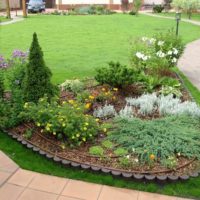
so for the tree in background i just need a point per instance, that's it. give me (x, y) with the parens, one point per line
(37, 81)
(188, 6)
(167, 4)
(24, 8)
(137, 4)
(8, 9)
(125, 5)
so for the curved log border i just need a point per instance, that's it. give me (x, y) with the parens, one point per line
(138, 176)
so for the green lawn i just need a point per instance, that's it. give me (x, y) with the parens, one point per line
(75, 45)
(195, 16)
(4, 19)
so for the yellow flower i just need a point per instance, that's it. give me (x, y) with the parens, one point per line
(86, 123)
(103, 89)
(85, 128)
(71, 101)
(63, 124)
(64, 102)
(84, 139)
(38, 124)
(115, 89)
(97, 120)
(91, 97)
(114, 98)
(77, 108)
(105, 130)
(77, 135)
(87, 105)
(152, 156)
(73, 137)
(47, 128)
(106, 93)
(26, 105)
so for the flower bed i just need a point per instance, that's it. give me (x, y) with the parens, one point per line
(136, 120)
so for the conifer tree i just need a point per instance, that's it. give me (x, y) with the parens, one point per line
(37, 81)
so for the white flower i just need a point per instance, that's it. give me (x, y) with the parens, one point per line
(133, 149)
(169, 53)
(152, 40)
(174, 60)
(136, 160)
(179, 154)
(160, 54)
(144, 39)
(175, 51)
(161, 43)
(139, 55)
(144, 58)
(128, 156)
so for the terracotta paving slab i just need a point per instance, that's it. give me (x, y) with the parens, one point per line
(4, 176)
(111, 193)
(10, 192)
(151, 196)
(22, 177)
(30, 194)
(6, 164)
(82, 190)
(47, 183)
(67, 198)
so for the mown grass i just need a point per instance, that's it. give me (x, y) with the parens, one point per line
(75, 45)
(4, 19)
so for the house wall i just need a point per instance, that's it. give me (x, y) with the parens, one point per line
(111, 4)
(150, 2)
(13, 4)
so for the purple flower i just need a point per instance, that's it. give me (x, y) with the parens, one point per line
(3, 62)
(18, 54)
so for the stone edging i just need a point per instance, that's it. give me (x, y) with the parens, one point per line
(161, 179)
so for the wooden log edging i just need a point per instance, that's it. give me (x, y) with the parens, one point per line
(130, 175)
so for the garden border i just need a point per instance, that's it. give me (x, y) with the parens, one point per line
(146, 176)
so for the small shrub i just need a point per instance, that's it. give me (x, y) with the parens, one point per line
(75, 86)
(120, 152)
(158, 139)
(170, 162)
(167, 90)
(96, 150)
(28, 133)
(125, 162)
(107, 144)
(116, 75)
(132, 12)
(127, 111)
(105, 112)
(2, 88)
(65, 121)
(37, 79)
(158, 8)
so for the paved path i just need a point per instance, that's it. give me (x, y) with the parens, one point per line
(14, 20)
(189, 63)
(19, 184)
(173, 18)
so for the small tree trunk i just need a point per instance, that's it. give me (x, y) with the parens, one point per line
(24, 8)
(8, 9)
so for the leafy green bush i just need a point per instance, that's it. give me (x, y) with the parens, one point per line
(66, 121)
(96, 150)
(160, 138)
(37, 79)
(1, 85)
(115, 75)
(75, 86)
(158, 8)
(120, 152)
(107, 144)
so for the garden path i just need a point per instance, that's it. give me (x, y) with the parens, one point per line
(165, 17)
(14, 20)
(19, 184)
(189, 63)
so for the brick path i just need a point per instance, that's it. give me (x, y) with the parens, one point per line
(19, 184)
